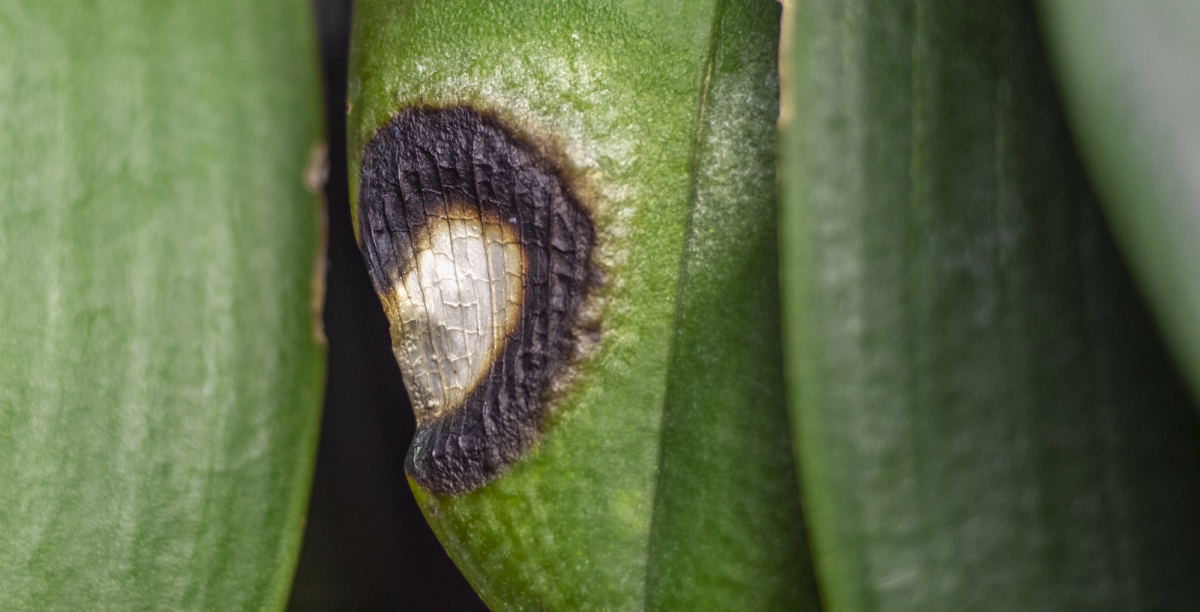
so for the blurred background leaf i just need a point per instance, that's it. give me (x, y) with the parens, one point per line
(985, 417)
(160, 368)
(1130, 74)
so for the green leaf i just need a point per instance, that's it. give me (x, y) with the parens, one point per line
(160, 381)
(1130, 72)
(663, 479)
(984, 416)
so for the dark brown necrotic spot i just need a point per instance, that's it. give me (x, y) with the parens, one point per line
(433, 181)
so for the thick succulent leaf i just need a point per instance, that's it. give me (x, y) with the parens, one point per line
(727, 532)
(984, 416)
(664, 476)
(1130, 71)
(160, 377)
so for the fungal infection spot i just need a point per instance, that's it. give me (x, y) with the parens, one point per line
(480, 254)
(456, 306)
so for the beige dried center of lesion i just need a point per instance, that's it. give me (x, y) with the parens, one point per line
(453, 310)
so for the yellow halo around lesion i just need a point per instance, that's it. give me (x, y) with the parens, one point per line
(455, 305)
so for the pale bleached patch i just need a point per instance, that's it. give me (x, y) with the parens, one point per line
(455, 306)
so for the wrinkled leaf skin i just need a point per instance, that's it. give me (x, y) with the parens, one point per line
(581, 522)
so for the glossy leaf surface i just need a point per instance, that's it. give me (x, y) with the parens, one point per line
(984, 416)
(664, 477)
(160, 378)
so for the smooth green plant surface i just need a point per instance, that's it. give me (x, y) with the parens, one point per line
(727, 532)
(670, 451)
(985, 418)
(1130, 71)
(160, 378)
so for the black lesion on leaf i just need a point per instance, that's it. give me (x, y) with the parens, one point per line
(418, 163)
